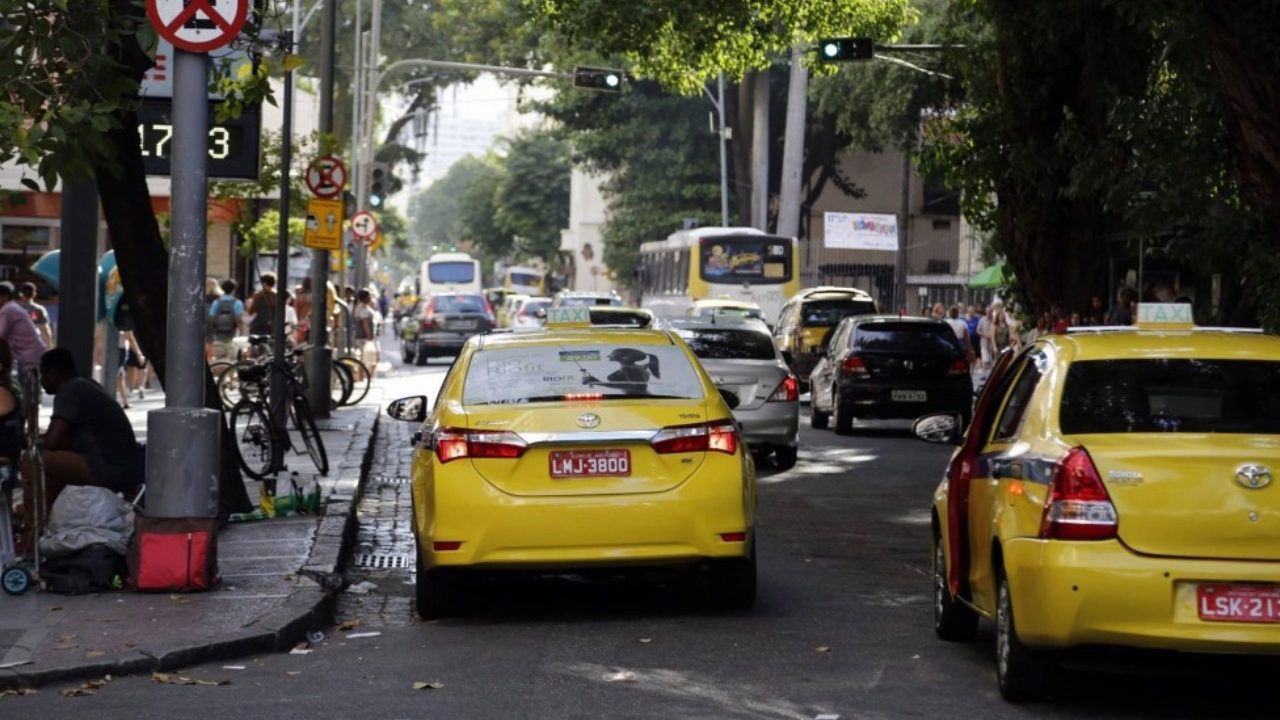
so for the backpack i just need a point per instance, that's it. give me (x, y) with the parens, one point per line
(92, 569)
(224, 321)
(264, 314)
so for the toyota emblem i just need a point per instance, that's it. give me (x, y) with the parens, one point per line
(588, 420)
(1253, 477)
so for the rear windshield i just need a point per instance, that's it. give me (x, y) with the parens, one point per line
(829, 313)
(731, 312)
(627, 319)
(588, 300)
(729, 344)
(912, 337)
(441, 272)
(1163, 395)
(554, 373)
(459, 304)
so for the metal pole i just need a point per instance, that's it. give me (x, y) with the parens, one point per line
(724, 151)
(760, 151)
(371, 115)
(278, 412)
(904, 219)
(318, 360)
(793, 147)
(183, 438)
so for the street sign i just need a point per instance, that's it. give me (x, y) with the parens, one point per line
(233, 143)
(364, 226)
(326, 176)
(324, 224)
(198, 25)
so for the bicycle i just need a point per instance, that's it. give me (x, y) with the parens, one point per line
(229, 383)
(256, 438)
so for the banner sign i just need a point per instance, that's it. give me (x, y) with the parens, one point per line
(860, 231)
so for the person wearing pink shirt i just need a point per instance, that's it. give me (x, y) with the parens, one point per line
(17, 329)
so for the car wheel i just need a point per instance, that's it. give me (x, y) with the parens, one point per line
(438, 591)
(1020, 671)
(406, 353)
(784, 458)
(817, 418)
(733, 582)
(421, 357)
(842, 414)
(952, 621)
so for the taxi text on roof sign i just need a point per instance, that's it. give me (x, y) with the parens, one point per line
(569, 316)
(1165, 314)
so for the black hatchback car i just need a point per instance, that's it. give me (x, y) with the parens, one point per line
(443, 323)
(886, 367)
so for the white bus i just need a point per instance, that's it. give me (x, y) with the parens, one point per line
(524, 280)
(449, 272)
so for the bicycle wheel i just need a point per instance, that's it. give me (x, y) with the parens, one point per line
(340, 384)
(361, 379)
(251, 428)
(305, 423)
(221, 369)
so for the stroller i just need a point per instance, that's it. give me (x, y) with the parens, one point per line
(17, 573)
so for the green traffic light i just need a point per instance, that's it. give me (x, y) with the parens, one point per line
(375, 200)
(831, 50)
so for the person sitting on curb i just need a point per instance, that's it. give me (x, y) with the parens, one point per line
(89, 440)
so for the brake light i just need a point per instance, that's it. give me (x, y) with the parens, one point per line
(455, 443)
(787, 391)
(720, 437)
(959, 367)
(1078, 506)
(853, 365)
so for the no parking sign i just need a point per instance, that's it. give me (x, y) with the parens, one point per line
(198, 25)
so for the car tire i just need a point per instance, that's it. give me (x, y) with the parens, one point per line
(784, 458)
(438, 591)
(842, 414)
(817, 418)
(1020, 671)
(733, 582)
(406, 353)
(421, 357)
(952, 621)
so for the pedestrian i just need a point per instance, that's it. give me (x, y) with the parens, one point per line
(302, 303)
(384, 303)
(971, 320)
(17, 329)
(363, 316)
(261, 307)
(226, 318)
(984, 333)
(89, 440)
(39, 316)
(212, 291)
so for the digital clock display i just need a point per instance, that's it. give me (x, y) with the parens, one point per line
(233, 145)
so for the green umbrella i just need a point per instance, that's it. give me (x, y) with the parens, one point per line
(989, 278)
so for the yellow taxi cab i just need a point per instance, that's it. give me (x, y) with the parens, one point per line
(1115, 487)
(576, 447)
(725, 307)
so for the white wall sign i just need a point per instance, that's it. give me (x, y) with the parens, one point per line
(860, 231)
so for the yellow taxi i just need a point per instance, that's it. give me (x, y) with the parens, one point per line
(726, 308)
(1115, 487)
(578, 447)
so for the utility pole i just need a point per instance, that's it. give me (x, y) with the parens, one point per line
(319, 359)
(760, 152)
(793, 147)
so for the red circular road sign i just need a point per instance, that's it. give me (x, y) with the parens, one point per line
(198, 25)
(364, 226)
(326, 176)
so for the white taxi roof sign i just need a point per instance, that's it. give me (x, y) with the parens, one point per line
(576, 316)
(1166, 315)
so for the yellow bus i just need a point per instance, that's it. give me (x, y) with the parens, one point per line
(717, 262)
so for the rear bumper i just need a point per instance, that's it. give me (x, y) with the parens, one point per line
(773, 425)
(875, 401)
(681, 526)
(441, 341)
(1079, 593)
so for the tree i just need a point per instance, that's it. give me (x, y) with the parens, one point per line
(532, 197)
(458, 207)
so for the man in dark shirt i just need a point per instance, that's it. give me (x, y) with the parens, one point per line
(89, 440)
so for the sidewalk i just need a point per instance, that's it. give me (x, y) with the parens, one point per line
(279, 578)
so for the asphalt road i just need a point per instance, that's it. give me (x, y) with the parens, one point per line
(842, 629)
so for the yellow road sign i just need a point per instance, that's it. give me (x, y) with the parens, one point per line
(324, 224)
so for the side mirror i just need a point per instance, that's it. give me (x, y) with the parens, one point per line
(410, 409)
(730, 398)
(941, 428)
(540, 313)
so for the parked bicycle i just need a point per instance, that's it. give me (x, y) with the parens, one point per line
(349, 379)
(256, 437)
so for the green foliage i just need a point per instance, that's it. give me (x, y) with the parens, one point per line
(532, 198)
(458, 207)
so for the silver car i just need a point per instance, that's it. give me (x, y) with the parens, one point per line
(740, 357)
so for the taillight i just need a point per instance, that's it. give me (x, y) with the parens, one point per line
(958, 367)
(1078, 506)
(787, 391)
(853, 365)
(720, 437)
(454, 443)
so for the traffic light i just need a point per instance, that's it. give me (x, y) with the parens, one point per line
(377, 186)
(594, 78)
(845, 49)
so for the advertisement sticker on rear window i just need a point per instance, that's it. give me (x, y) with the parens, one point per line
(549, 374)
